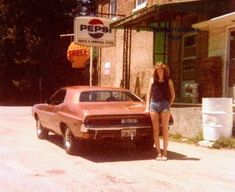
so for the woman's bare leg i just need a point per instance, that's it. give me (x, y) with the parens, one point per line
(156, 126)
(165, 116)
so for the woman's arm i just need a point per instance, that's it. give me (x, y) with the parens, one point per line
(148, 95)
(172, 91)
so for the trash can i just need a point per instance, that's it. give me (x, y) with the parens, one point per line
(217, 118)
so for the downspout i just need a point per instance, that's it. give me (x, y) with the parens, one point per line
(226, 65)
(100, 54)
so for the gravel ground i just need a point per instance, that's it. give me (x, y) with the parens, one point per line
(28, 164)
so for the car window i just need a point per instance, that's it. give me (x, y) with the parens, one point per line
(132, 97)
(107, 96)
(87, 96)
(57, 97)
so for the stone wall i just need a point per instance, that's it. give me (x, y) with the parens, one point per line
(187, 121)
(141, 61)
(111, 62)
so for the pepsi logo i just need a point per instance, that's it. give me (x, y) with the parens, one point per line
(98, 25)
(95, 28)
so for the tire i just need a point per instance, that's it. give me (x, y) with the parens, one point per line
(70, 143)
(41, 132)
(145, 143)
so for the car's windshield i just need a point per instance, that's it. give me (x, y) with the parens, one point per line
(107, 96)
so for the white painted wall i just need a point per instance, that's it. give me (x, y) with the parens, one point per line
(141, 60)
(218, 46)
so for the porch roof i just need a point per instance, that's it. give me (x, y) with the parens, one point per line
(160, 12)
(216, 21)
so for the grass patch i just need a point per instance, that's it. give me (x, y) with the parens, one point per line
(179, 138)
(228, 143)
(196, 139)
(176, 137)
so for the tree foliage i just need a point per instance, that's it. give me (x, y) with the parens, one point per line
(86, 8)
(31, 50)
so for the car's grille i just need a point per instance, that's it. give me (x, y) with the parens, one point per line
(117, 121)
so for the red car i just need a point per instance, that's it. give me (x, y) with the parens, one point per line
(84, 113)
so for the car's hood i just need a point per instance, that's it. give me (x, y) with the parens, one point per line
(113, 108)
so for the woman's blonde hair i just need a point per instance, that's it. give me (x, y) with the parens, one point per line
(166, 71)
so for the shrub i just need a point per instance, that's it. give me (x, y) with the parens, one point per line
(222, 142)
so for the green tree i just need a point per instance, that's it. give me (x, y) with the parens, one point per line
(30, 45)
(85, 8)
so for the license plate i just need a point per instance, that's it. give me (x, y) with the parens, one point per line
(129, 121)
(128, 133)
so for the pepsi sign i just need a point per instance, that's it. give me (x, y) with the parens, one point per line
(93, 31)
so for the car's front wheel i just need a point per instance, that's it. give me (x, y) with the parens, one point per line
(41, 132)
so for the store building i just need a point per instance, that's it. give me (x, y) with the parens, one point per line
(221, 44)
(194, 37)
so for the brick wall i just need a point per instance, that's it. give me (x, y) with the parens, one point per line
(174, 59)
(231, 5)
(153, 2)
(124, 7)
(103, 6)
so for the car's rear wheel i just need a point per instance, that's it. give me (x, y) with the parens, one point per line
(70, 143)
(41, 132)
(145, 143)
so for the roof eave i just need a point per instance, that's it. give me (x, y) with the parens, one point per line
(216, 21)
(140, 15)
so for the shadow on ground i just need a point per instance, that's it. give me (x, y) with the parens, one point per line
(112, 151)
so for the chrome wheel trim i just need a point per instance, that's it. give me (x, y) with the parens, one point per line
(38, 128)
(68, 139)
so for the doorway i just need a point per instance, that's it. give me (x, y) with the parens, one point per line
(231, 64)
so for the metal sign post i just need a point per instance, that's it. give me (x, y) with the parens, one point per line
(91, 64)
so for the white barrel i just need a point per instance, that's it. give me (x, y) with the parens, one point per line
(217, 118)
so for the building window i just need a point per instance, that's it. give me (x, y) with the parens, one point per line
(189, 86)
(189, 52)
(160, 42)
(139, 4)
(113, 8)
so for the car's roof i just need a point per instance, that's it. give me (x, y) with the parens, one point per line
(95, 88)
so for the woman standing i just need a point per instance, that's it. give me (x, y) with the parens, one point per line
(160, 96)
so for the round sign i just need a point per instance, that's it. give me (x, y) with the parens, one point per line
(78, 55)
(97, 25)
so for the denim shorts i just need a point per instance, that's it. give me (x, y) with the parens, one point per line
(160, 106)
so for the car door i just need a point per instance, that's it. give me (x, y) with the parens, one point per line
(55, 102)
